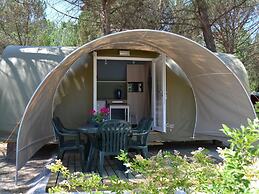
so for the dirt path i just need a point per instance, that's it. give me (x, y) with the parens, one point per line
(28, 175)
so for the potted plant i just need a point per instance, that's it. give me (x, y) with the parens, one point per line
(97, 117)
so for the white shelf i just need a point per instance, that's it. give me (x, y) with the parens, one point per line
(111, 81)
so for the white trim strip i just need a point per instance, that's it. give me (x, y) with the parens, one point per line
(124, 58)
(153, 109)
(164, 89)
(95, 80)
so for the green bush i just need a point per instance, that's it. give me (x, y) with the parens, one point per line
(77, 181)
(239, 171)
(165, 173)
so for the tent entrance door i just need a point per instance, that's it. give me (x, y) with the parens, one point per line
(159, 93)
(134, 86)
(158, 90)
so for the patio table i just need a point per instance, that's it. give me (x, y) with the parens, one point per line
(90, 131)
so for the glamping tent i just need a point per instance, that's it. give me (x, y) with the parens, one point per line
(190, 90)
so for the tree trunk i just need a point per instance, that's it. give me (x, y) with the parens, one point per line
(202, 14)
(106, 5)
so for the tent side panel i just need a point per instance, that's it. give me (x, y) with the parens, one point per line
(181, 108)
(32, 136)
(21, 71)
(75, 95)
(213, 98)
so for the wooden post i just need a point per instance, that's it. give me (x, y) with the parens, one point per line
(11, 151)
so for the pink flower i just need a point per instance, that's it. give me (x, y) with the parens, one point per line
(104, 110)
(99, 116)
(92, 111)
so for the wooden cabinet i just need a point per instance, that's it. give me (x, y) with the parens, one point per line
(136, 73)
(138, 99)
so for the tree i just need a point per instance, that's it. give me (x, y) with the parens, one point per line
(89, 27)
(135, 14)
(102, 17)
(248, 53)
(224, 26)
(21, 21)
(201, 7)
(101, 11)
(234, 23)
(64, 34)
(235, 26)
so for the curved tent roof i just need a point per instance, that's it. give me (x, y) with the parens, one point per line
(220, 96)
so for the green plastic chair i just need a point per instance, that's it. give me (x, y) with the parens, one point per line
(138, 138)
(68, 142)
(62, 128)
(112, 138)
(141, 125)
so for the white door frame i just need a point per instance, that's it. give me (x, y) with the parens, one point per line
(153, 98)
(163, 93)
(95, 80)
(153, 92)
(164, 90)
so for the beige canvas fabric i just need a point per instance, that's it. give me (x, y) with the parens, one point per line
(21, 71)
(214, 95)
(237, 68)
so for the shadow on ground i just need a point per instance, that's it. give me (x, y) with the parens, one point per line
(28, 175)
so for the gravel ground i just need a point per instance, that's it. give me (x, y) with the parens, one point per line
(28, 175)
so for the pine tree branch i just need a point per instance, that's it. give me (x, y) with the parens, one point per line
(227, 11)
(61, 12)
